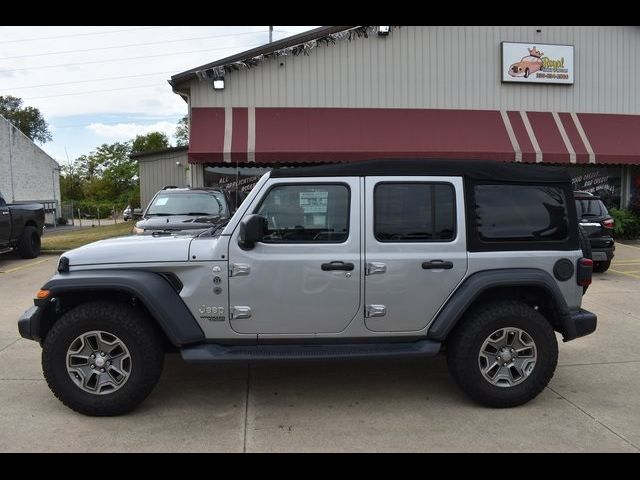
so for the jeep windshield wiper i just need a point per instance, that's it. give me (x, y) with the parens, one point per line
(201, 213)
(159, 214)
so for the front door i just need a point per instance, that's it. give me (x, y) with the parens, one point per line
(415, 252)
(5, 222)
(304, 277)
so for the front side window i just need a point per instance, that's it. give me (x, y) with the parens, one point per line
(414, 212)
(306, 214)
(210, 203)
(520, 213)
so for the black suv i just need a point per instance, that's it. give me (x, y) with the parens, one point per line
(598, 225)
(176, 209)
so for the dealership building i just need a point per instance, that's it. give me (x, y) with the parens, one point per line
(534, 94)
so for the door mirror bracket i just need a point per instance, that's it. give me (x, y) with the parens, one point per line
(253, 228)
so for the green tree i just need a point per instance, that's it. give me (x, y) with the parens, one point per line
(150, 142)
(28, 120)
(182, 132)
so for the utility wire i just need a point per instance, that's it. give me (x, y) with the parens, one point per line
(90, 80)
(94, 91)
(82, 34)
(132, 45)
(124, 59)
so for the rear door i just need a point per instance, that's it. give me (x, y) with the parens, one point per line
(415, 249)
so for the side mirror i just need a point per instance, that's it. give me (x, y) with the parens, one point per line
(253, 228)
(137, 212)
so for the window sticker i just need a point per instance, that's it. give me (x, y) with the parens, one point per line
(162, 201)
(314, 202)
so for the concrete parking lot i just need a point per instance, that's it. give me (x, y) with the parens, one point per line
(591, 404)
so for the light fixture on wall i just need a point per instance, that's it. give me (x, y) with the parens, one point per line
(384, 30)
(218, 83)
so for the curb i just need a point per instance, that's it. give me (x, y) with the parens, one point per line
(52, 252)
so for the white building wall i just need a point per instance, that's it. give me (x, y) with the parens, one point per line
(451, 67)
(27, 173)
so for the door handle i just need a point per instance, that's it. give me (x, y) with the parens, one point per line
(437, 264)
(5, 212)
(335, 265)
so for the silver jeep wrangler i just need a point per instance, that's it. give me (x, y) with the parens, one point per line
(384, 258)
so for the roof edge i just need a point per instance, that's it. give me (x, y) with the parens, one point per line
(179, 148)
(293, 40)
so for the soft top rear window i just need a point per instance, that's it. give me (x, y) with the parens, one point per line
(520, 213)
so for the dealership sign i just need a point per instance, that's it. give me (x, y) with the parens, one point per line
(537, 63)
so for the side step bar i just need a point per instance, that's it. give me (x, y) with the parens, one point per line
(216, 353)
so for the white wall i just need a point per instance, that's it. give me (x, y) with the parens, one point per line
(27, 173)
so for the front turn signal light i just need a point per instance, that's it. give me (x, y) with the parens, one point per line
(42, 294)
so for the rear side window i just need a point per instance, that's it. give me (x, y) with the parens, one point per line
(590, 207)
(414, 212)
(520, 213)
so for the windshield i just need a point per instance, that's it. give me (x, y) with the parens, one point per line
(591, 207)
(210, 203)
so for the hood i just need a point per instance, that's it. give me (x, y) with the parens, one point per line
(132, 249)
(180, 222)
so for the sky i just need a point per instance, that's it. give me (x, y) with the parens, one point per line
(103, 84)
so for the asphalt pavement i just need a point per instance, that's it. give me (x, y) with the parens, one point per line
(591, 404)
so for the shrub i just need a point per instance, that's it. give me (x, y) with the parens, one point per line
(627, 224)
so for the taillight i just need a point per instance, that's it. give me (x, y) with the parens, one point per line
(608, 223)
(585, 272)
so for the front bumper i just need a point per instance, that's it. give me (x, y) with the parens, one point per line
(29, 323)
(578, 324)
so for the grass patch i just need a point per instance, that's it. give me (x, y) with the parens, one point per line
(77, 238)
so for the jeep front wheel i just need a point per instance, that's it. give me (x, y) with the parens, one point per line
(503, 354)
(102, 358)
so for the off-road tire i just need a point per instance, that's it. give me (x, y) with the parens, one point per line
(139, 334)
(29, 244)
(464, 343)
(601, 267)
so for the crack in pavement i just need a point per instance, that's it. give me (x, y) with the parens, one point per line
(595, 419)
(598, 363)
(11, 344)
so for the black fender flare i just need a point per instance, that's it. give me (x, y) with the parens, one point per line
(474, 285)
(150, 288)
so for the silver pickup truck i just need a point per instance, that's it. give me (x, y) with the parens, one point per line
(391, 258)
(21, 226)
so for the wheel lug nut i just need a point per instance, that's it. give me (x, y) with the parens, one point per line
(108, 363)
(102, 369)
(102, 354)
(93, 366)
(93, 356)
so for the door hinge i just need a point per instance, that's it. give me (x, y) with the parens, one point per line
(238, 269)
(240, 312)
(375, 311)
(372, 268)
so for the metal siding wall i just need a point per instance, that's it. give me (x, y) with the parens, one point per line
(440, 67)
(158, 171)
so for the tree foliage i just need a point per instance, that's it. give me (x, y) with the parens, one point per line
(182, 132)
(28, 120)
(150, 142)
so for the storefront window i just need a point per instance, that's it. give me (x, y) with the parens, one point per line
(606, 182)
(634, 201)
(237, 181)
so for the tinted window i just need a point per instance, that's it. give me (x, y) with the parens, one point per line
(306, 213)
(414, 212)
(520, 213)
(212, 203)
(591, 207)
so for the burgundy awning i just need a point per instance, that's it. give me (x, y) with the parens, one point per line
(290, 135)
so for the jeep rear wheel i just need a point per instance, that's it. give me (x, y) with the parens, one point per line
(503, 354)
(102, 358)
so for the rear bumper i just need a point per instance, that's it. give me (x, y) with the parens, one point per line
(602, 254)
(29, 323)
(578, 324)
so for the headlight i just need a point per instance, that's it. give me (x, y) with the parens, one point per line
(138, 230)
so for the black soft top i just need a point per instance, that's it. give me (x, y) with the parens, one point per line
(472, 169)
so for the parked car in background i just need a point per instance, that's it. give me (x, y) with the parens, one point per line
(21, 226)
(595, 220)
(127, 213)
(174, 209)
